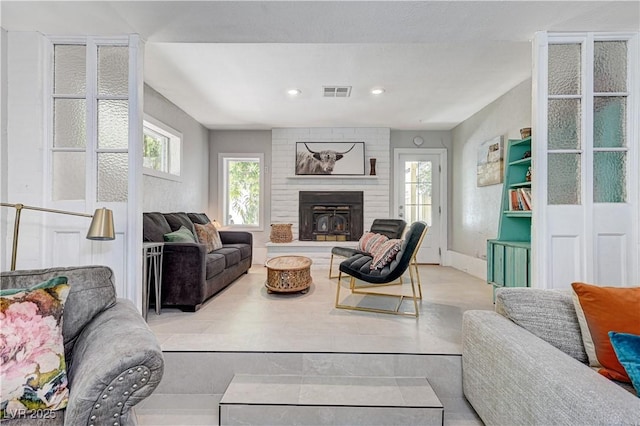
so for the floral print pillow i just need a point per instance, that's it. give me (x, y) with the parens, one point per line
(33, 374)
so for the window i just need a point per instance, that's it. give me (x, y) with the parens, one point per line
(242, 183)
(162, 150)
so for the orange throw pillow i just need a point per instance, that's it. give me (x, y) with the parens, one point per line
(601, 310)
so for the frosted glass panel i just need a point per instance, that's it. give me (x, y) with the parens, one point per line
(609, 177)
(610, 66)
(609, 121)
(69, 121)
(112, 176)
(564, 69)
(69, 69)
(113, 70)
(68, 176)
(113, 124)
(563, 176)
(564, 124)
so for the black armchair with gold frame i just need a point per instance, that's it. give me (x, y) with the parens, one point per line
(358, 268)
(392, 228)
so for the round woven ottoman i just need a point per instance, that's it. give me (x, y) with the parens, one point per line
(288, 274)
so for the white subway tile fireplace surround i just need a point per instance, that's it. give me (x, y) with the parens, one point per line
(285, 185)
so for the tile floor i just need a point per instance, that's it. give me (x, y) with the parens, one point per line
(246, 318)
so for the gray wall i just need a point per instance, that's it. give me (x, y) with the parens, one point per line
(191, 194)
(475, 210)
(241, 141)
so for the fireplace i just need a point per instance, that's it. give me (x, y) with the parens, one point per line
(330, 215)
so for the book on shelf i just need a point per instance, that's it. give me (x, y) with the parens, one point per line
(526, 197)
(520, 199)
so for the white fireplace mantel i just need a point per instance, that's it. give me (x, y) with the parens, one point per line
(332, 177)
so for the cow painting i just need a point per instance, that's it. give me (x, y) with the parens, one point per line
(322, 160)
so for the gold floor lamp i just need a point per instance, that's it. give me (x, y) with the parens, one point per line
(101, 227)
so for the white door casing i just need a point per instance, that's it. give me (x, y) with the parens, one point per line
(434, 211)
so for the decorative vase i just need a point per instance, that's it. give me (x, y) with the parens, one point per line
(372, 170)
(525, 132)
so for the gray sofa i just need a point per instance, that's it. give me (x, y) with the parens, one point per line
(113, 359)
(524, 365)
(190, 275)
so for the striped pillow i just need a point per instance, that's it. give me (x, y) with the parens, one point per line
(370, 241)
(385, 253)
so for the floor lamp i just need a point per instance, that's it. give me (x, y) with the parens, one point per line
(101, 228)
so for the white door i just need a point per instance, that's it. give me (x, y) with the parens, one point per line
(585, 179)
(93, 125)
(418, 197)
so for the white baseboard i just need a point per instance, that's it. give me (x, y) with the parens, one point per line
(469, 264)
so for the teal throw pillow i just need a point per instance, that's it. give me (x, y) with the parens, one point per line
(627, 348)
(182, 235)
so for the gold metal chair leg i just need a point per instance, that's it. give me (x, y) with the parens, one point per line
(415, 299)
(338, 289)
(418, 279)
(331, 266)
(413, 267)
(396, 311)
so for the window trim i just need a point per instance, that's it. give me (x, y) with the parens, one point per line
(173, 135)
(222, 188)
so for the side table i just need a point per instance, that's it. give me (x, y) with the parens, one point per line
(152, 268)
(287, 274)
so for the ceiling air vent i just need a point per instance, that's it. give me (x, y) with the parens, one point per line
(336, 91)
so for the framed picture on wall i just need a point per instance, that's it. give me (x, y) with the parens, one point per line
(491, 162)
(329, 158)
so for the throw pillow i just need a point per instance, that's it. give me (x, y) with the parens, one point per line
(370, 241)
(627, 348)
(385, 253)
(601, 310)
(182, 235)
(208, 235)
(547, 314)
(33, 370)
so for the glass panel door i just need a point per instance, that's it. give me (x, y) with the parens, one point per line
(418, 199)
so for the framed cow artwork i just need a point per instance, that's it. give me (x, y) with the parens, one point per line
(329, 158)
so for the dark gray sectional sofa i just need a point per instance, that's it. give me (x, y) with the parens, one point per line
(190, 275)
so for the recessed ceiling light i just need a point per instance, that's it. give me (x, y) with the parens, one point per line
(294, 92)
(377, 91)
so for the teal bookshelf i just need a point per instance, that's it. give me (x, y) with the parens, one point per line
(509, 255)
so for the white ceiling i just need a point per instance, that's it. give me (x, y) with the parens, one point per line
(228, 64)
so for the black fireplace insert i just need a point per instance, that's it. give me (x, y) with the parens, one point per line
(330, 215)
